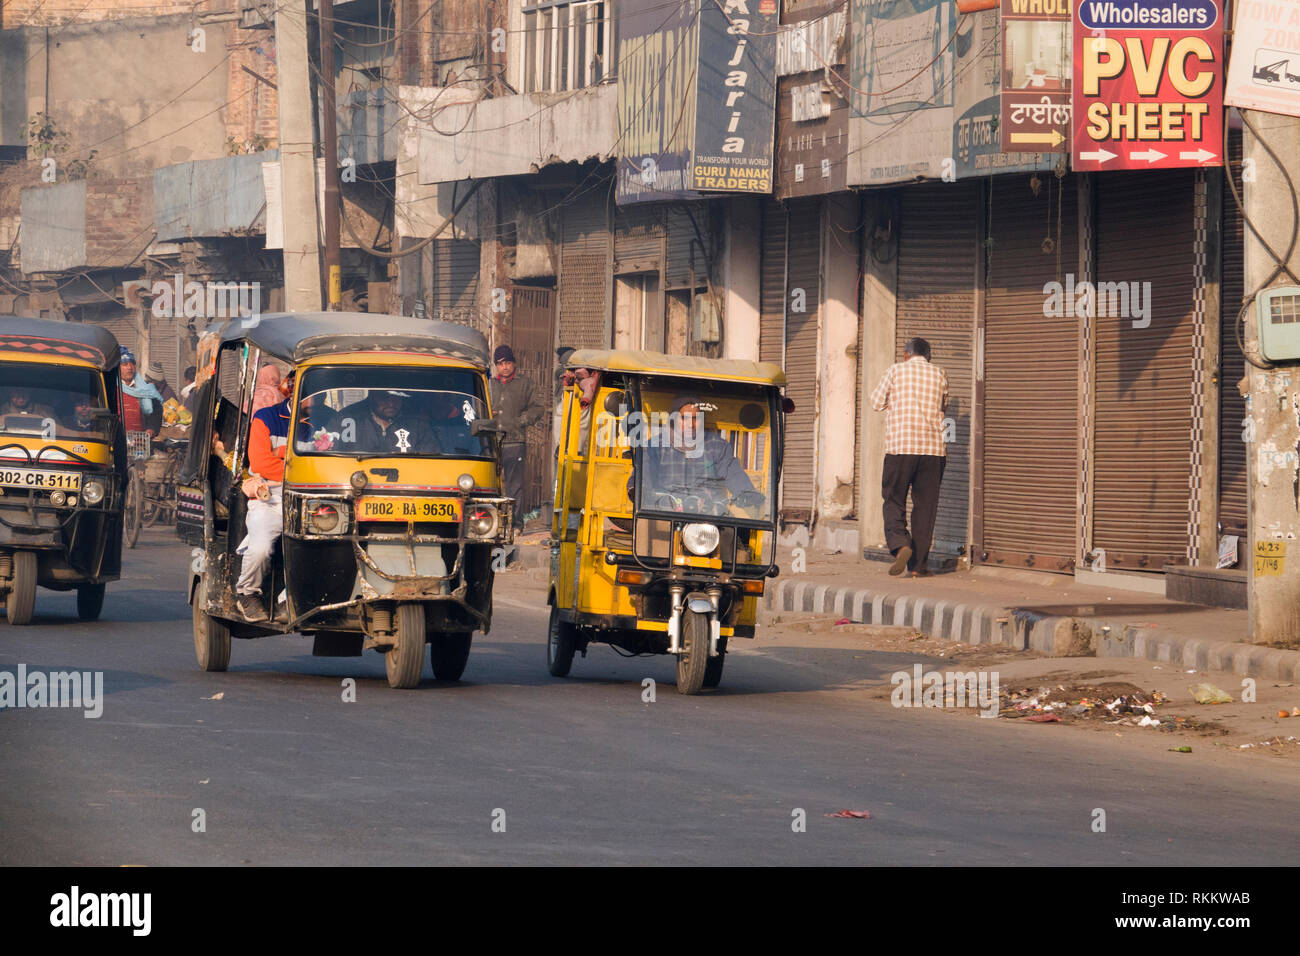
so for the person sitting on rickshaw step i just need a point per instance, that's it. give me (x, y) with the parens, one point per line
(268, 439)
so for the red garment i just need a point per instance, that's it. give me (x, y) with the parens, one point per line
(132, 418)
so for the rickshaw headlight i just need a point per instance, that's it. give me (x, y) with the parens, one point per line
(325, 517)
(700, 539)
(466, 482)
(58, 499)
(93, 492)
(481, 520)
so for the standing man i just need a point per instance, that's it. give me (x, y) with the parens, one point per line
(157, 377)
(912, 394)
(141, 403)
(515, 405)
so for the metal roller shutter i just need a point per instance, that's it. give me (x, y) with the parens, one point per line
(801, 366)
(455, 280)
(1030, 463)
(936, 301)
(638, 238)
(1233, 504)
(1142, 438)
(163, 348)
(771, 296)
(585, 251)
(685, 224)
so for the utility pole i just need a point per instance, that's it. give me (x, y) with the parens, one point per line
(1273, 400)
(302, 274)
(330, 149)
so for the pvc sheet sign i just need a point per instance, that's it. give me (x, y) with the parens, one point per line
(1264, 72)
(1148, 84)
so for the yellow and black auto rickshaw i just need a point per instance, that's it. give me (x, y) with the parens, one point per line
(62, 463)
(664, 525)
(391, 521)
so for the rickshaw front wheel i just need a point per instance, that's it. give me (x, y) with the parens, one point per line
(21, 601)
(561, 643)
(90, 601)
(211, 637)
(449, 653)
(693, 660)
(405, 659)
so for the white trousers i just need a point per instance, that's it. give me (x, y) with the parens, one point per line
(263, 525)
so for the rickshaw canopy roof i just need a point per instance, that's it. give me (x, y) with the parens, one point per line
(74, 340)
(295, 337)
(678, 366)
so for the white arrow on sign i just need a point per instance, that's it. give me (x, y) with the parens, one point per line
(1150, 155)
(1100, 155)
(1201, 155)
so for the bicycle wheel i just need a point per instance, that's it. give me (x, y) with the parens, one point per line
(132, 508)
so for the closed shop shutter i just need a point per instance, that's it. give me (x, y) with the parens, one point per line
(163, 348)
(585, 250)
(1232, 364)
(936, 300)
(638, 238)
(685, 225)
(455, 280)
(771, 297)
(801, 367)
(1142, 437)
(123, 327)
(1030, 464)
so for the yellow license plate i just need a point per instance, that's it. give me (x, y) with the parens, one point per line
(408, 509)
(44, 480)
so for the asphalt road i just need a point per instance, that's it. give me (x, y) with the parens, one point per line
(580, 770)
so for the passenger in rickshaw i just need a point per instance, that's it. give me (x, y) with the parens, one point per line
(268, 439)
(450, 417)
(378, 427)
(693, 471)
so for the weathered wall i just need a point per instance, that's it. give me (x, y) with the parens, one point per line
(92, 224)
(838, 361)
(423, 207)
(740, 279)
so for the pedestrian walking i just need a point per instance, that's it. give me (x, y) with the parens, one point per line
(912, 395)
(516, 406)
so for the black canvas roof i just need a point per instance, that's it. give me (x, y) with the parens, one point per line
(84, 341)
(296, 336)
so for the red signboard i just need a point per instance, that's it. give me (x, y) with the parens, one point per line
(1148, 84)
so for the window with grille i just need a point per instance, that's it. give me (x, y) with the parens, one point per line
(567, 45)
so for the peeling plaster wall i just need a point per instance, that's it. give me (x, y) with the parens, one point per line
(423, 207)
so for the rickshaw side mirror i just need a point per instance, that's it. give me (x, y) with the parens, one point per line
(485, 426)
(102, 413)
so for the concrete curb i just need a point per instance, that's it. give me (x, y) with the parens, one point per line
(971, 623)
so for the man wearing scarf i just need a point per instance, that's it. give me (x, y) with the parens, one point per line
(141, 403)
(516, 406)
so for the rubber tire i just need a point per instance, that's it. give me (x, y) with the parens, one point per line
(151, 510)
(90, 601)
(211, 637)
(449, 653)
(713, 670)
(561, 644)
(132, 507)
(405, 659)
(694, 657)
(21, 602)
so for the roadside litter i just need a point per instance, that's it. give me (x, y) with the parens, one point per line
(1209, 694)
(850, 815)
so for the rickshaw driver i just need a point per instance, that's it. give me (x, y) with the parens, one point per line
(695, 466)
(20, 403)
(268, 439)
(379, 427)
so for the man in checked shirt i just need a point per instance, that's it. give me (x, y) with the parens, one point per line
(912, 395)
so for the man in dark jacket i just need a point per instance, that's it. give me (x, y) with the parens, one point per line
(516, 406)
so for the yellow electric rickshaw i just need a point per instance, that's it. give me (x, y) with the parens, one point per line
(664, 525)
(391, 517)
(62, 463)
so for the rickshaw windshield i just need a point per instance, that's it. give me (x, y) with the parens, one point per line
(54, 402)
(361, 411)
(703, 449)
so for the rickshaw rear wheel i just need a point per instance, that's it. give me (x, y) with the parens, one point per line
(21, 601)
(405, 659)
(713, 670)
(561, 643)
(211, 637)
(693, 661)
(449, 653)
(90, 601)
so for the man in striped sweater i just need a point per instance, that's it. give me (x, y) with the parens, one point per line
(268, 437)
